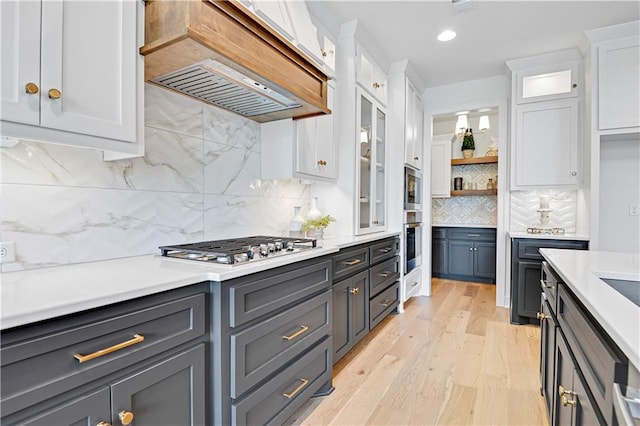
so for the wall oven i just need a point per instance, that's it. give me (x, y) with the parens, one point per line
(412, 189)
(413, 242)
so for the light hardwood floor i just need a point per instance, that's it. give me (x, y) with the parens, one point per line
(452, 358)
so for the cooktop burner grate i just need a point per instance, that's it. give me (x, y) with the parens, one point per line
(238, 250)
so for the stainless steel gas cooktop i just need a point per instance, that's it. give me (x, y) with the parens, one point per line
(239, 250)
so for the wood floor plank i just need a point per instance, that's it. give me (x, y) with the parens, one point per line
(451, 358)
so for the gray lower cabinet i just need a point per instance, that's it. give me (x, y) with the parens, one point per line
(467, 254)
(365, 290)
(350, 313)
(526, 265)
(143, 359)
(579, 363)
(274, 352)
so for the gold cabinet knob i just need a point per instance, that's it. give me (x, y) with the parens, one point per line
(104, 424)
(562, 391)
(322, 163)
(541, 316)
(568, 402)
(55, 94)
(31, 88)
(354, 290)
(126, 417)
(376, 85)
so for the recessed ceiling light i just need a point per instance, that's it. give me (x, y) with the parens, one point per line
(446, 35)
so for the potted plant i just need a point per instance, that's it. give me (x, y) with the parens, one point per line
(468, 144)
(317, 224)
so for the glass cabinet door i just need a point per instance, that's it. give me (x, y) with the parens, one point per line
(380, 152)
(371, 183)
(366, 158)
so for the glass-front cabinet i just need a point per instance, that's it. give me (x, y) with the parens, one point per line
(371, 163)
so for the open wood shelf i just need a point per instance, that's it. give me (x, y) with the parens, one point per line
(475, 160)
(474, 192)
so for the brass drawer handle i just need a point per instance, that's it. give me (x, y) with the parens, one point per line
(562, 391)
(384, 274)
(355, 290)
(386, 303)
(566, 402)
(352, 262)
(297, 389)
(126, 417)
(303, 328)
(137, 338)
(541, 316)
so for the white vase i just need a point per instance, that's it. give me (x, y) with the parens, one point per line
(295, 224)
(314, 213)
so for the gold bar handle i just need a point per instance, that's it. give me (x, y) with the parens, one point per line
(303, 328)
(352, 262)
(137, 338)
(297, 389)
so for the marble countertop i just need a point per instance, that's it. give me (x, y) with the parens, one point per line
(582, 271)
(40, 294)
(522, 234)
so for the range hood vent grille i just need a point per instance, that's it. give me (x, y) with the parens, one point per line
(217, 84)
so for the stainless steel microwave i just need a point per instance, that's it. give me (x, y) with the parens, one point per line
(412, 189)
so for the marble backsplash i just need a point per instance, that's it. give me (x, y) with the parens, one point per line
(199, 180)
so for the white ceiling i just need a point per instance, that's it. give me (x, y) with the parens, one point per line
(489, 32)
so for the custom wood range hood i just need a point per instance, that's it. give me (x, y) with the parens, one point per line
(219, 52)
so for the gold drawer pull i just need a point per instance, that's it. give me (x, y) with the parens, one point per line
(386, 250)
(566, 402)
(384, 274)
(386, 303)
(126, 417)
(137, 338)
(54, 94)
(303, 328)
(541, 316)
(352, 262)
(297, 389)
(354, 290)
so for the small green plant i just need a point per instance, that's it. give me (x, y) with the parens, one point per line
(317, 223)
(468, 142)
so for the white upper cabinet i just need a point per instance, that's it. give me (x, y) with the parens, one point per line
(302, 149)
(370, 76)
(74, 70)
(546, 124)
(20, 61)
(275, 14)
(619, 83)
(441, 167)
(305, 33)
(547, 82)
(413, 133)
(545, 152)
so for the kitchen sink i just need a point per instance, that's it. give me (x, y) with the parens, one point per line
(629, 289)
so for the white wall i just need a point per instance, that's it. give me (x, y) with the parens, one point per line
(619, 187)
(199, 180)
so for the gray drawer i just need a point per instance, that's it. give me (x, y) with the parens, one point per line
(439, 233)
(262, 349)
(597, 357)
(384, 250)
(382, 305)
(279, 398)
(250, 298)
(42, 366)
(471, 234)
(549, 284)
(349, 262)
(383, 274)
(528, 248)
